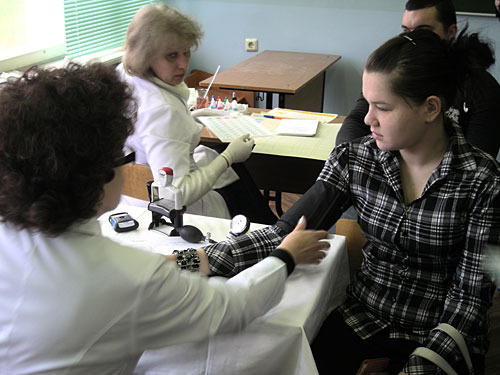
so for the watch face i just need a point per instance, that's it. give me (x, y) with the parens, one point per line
(239, 224)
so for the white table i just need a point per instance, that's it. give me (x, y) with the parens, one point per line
(276, 343)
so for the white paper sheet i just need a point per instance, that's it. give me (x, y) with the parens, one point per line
(227, 128)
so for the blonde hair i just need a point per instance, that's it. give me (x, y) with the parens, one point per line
(153, 25)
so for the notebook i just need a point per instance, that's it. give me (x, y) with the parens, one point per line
(303, 128)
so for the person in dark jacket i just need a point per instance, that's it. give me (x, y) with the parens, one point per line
(475, 107)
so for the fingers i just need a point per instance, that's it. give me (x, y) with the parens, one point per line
(247, 139)
(314, 257)
(301, 224)
(304, 238)
(313, 235)
(315, 254)
(306, 246)
(244, 137)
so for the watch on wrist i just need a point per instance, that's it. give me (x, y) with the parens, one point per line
(188, 259)
(240, 224)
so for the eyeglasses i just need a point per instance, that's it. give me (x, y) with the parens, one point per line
(125, 160)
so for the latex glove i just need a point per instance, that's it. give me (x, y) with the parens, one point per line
(239, 149)
(204, 112)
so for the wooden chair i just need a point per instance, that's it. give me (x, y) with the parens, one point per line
(354, 240)
(135, 178)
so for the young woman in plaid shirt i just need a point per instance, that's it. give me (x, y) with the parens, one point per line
(427, 202)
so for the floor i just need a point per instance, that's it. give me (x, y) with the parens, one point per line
(493, 356)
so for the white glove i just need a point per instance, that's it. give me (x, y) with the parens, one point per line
(239, 149)
(203, 112)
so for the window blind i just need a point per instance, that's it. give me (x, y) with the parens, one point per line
(96, 25)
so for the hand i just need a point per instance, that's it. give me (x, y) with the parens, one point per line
(239, 149)
(305, 246)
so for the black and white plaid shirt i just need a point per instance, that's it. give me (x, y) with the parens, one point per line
(422, 262)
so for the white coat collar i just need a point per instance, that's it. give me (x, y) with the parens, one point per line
(180, 90)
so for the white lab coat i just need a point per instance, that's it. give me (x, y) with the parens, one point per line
(80, 303)
(166, 136)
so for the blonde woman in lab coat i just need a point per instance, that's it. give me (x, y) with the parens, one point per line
(158, 49)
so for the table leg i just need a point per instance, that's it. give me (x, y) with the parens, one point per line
(269, 100)
(281, 100)
(276, 199)
(323, 91)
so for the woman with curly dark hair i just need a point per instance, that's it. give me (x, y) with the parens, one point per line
(72, 300)
(61, 135)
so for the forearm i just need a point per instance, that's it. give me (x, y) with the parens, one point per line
(465, 309)
(199, 182)
(228, 258)
(211, 306)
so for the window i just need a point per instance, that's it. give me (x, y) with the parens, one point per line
(31, 31)
(36, 31)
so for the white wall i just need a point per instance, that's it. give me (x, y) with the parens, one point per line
(350, 28)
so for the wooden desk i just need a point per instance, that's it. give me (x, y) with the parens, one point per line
(298, 78)
(278, 173)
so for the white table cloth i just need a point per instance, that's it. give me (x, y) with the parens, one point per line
(276, 343)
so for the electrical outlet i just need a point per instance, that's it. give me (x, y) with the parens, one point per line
(251, 45)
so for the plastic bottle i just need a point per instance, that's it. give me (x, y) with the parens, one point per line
(227, 106)
(213, 105)
(220, 105)
(234, 103)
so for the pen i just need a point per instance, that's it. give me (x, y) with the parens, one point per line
(275, 117)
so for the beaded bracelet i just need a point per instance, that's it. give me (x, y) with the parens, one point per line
(188, 259)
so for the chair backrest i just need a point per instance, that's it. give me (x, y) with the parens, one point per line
(354, 239)
(135, 178)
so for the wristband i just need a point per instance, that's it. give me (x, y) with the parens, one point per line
(188, 260)
(286, 257)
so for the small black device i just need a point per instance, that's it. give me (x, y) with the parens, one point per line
(123, 222)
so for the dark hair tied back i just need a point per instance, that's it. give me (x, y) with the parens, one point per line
(420, 64)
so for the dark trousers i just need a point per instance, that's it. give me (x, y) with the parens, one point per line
(243, 197)
(337, 349)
